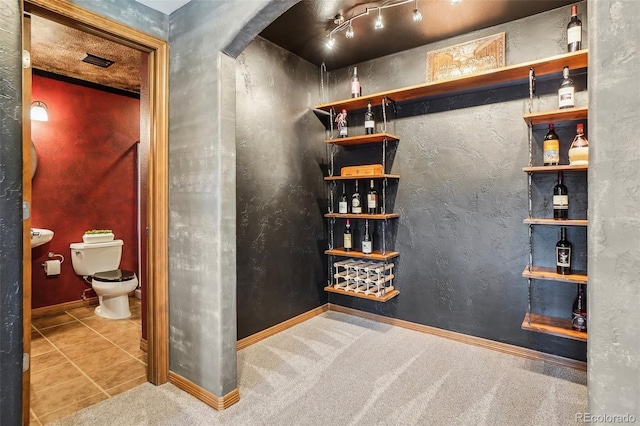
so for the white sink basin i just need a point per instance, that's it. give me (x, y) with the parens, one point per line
(40, 236)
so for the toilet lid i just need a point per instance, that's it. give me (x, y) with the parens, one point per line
(116, 275)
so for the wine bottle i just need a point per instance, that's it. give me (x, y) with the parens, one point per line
(367, 243)
(566, 91)
(372, 199)
(579, 314)
(574, 31)
(563, 253)
(341, 120)
(579, 151)
(346, 240)
(343, 204)
(356, 90)
(369, 121)
(560, 199)
(356, 202)
(551, 147)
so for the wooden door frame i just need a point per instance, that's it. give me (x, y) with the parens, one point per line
(157, 320)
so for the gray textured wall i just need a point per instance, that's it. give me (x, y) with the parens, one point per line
(280, 193)
(614, 199)
(462, 195)
(10, 213)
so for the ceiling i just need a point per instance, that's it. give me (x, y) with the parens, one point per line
(302, 30)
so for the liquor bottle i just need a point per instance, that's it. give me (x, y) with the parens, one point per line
(563, 253)
(574, 31)
(356, 202)
(372, 199)
(341, 120)
(346, 240)
(343, 204)
(560, 200)
(356, 90)
(579, 314)
(551, 148)
(367, 243)
(566, 91)
(369, 121)
(579, 151)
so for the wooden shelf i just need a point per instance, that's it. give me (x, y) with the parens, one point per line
(569, 114)
(376, 255)
(555, 326)
(541, 273)
(563, 168)
(555, 222)
(362, 139)
(387, 296)
(362, 177)
(363, 216)
(477, 81)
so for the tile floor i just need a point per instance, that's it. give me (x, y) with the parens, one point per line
(79, 359)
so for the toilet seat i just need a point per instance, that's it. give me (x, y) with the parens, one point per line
(117, 275)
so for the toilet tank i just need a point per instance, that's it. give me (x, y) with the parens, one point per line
(89, 258)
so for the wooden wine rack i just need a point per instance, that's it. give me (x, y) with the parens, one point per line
(364, 278)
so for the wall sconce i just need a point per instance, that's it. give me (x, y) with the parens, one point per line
(39, 111)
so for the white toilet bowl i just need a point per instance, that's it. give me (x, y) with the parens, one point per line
(113, 288)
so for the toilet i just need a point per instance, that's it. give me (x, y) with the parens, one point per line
(98, 264)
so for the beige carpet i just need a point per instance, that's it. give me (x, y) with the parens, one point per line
(337, 369)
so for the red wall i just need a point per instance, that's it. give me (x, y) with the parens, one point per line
(86, 179)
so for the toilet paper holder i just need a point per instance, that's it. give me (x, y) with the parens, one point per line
(51, 255)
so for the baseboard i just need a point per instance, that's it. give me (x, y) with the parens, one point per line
(464, 338)
(62, 307)
(143, 345)
(219, 403)
(255, 338)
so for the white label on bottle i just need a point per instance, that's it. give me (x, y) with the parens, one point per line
(343, 131)
(366, 247)
(371, 201)
(347, 241)
(563, 256)
(565, 97)
(574, 34)
(355, 88)
(369, 124)
(561, 202)
(342, 207)
(356, 209)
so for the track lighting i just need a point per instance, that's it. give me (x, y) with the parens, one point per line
(417, 16)
(379, 24)
(331, 42)
(349, 33)
(455, 1)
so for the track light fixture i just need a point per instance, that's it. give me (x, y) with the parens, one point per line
(349, 33)
(378, 24)
(417, 16)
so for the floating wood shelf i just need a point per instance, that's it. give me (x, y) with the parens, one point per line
(362, 139)
(555, 326)
(555, 222)
(391, 294)
(541, 273)
(363, 216)
(362, 177)
(376, 255)
(563, 168)
(473, 82)
(568, 114)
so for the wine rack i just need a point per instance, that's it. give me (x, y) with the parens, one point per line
(364, 278)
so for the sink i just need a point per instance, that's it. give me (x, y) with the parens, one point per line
(40, 236)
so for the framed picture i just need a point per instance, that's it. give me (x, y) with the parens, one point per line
(483, 54)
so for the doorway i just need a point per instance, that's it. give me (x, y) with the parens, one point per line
(153, 129)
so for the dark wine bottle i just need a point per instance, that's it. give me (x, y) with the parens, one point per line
(356, 201)
(372, 199)
(579, 314)
(369, 121)
(343, 204)
(560, 200)
(563, 253)
(367, 243)
(574, 31)
(566, 91)
(551, 148)
(347, 240)
(356, 90)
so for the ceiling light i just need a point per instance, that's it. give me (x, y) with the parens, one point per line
(349, 33)
(331, 42)
(378, 24)
(417, 16)
(455, 1)
(39, 111)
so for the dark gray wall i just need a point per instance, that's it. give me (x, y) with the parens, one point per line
(614, 199)
(280, 194)
(10, 213)
(462, 195)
